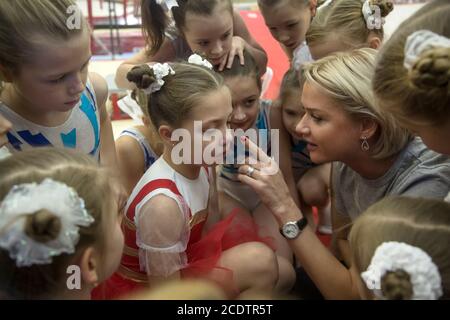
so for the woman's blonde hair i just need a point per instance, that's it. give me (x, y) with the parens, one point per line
(344, 19)
(420, 96)
(346, 78)
(91, 183)
(423, 223)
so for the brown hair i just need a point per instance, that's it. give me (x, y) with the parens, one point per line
(22, 20)
(180, 92)
(273, 3)
(423, 223)
(345, 19)
(420, 95)
(155, 20)
(291, 81)
(249, 69)
(75, 170)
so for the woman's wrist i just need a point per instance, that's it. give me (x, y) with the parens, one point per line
(287, 212)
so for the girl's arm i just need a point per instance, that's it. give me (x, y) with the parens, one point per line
(164, 233)
(276, 122)
(250, 44)
(107, 147)
(165, 53)
(131, 161)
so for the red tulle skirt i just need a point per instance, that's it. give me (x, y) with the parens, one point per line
(203, 257)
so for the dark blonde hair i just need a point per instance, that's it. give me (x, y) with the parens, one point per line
(423, 223)
(22, 20)
(345, 19)
(155, 20)
(90, 182)
(420, 95)
(346, 78)
(273, 3)
(180, 92)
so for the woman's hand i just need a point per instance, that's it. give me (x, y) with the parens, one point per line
(264, 176)
(237, 49)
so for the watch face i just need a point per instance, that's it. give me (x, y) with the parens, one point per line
(290, 230)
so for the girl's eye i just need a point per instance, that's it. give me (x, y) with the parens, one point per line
(203, 43)
(290, 113)
(316, 118)
(292, 25)
(57, 80)
(250, 102)
(225, 36)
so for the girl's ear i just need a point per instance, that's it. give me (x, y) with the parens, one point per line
(165, 132)
(89, 265)
(374, 41)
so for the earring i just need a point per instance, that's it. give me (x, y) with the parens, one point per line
(365, 145)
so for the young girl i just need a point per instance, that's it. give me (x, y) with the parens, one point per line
(137, 147)
(373, 158)
(288, 21)
(342, 25)
(46, 91)
(252, 115)
(58, 239)
(312, 180)
(400, 247)
(171, 230)
(411, 81)
(207, 27)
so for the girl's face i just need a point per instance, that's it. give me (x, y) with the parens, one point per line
(245, 95)
(210, 36)
(207, 125)
(57, 74)
(292, 110)
(5, 126)
(114, 243)
(288, 24)
(332, 135)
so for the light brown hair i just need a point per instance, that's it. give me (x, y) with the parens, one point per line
(420, 95)
(423, 223)
(344, 19)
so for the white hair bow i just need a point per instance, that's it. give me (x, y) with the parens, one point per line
(28, 198)
(420, 41)
(160, 71)
(198, 60)
(392, 256)
(372, 15)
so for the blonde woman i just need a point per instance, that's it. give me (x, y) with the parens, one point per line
(373, 157)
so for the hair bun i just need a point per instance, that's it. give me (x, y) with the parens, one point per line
(142, 76)
(42, 226)
(396, 285)
(432, 70)
(385, 6)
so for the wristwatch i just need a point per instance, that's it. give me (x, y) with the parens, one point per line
(292, 229)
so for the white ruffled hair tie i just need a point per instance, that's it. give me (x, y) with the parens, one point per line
(392, 256)
(419, 42)
(160, 71)
(198, 60)
(372, 15)
(28, 198)
(167, 4)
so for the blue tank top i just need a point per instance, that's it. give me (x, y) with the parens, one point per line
(149, 155)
